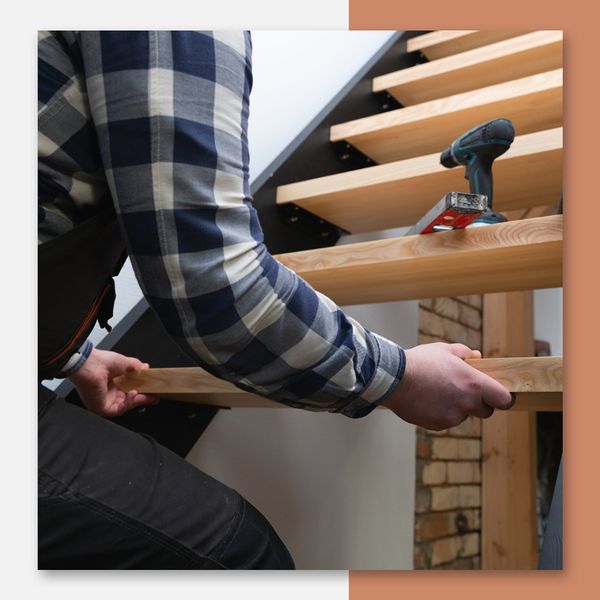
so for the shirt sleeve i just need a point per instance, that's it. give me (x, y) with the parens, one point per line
(170, 110)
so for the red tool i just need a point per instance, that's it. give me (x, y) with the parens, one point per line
(455, 210)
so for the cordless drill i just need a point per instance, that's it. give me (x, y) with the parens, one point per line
(476, 150)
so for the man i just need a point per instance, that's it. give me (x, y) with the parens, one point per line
(155, 124)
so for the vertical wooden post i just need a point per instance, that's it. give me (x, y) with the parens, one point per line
(509, 469)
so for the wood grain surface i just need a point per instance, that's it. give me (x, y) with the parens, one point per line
(399, 193)
(539, 402)
(509, 464)
(513, 58)
(437, 44)
(533, 103)
(508, 256)
(527, 376)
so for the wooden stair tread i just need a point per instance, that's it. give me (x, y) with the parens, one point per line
(536, 380)
(514, 58)
(399, 193)
(438, 44)
(533, 103)
(508, 256)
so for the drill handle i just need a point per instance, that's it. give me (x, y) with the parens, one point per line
(479, 173)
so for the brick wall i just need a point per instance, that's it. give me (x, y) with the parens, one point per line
(448, 486)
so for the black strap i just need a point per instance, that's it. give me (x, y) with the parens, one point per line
(75, 287)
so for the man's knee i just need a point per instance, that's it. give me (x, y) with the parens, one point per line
(254, 544)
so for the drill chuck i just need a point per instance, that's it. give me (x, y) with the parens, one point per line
(447, 160)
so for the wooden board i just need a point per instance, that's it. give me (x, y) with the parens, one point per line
(539, 402)
(533, 213)
(508, 256)
(193, 384)
(399, 193)
(517, 57)
(509, 465)
(533, 402)
(525, 374)
(532, 103)
(438, 44)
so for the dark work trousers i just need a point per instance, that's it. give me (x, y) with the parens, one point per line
(110, 498)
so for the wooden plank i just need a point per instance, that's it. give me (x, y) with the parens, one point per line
(508, 256)
(532, 213)
(509, 467)
(401, 192)
(242, 400)
(438, 44)
(539, 402)
(532, 103)
(193, 384)
(517, 57)
(542, 401)
(525, 374)
(541, 211)
(547, 402)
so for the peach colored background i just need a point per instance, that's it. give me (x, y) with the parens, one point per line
(581, 301)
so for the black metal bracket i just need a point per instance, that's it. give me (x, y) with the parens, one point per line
(386, 101)
(296, 216)
(350, 156)
(420, 57)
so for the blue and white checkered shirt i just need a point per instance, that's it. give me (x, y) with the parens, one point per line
(156, 122)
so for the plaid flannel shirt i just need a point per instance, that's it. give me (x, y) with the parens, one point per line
(156, 122)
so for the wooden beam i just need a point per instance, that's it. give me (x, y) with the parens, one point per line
(532, 103)
(539, 402)
(517, 57)
(438, 44)
(527, 376)
(542, 401)
(192, 384)
(534, 212)
(509, 466)
(508, 256)
(233, 400)
(524, 374)
(399, 193)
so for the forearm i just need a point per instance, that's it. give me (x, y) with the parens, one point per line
(271, 333)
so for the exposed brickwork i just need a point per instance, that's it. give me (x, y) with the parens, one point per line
(450, 320)
(444, 447)
(434, 473)
(462, 472)
(448, 486)
(444, 498)
(469, 449)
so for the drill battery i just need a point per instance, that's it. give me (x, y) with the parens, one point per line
(456, 210)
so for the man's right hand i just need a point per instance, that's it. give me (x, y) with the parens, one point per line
(440, 390)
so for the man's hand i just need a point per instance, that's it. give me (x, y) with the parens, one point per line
(94, 383)
(440, 390)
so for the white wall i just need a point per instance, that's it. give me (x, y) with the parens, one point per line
(296, 74)
(548, 318)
